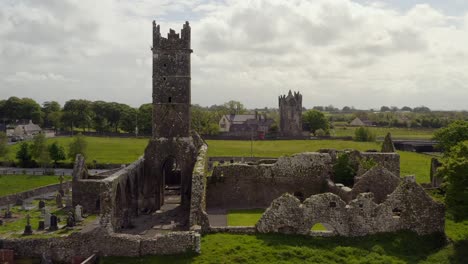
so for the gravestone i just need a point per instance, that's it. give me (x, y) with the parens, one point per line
(1, 222)
(41, 226)
(58, 200)
(7, 212)
(43, 211)
(27, 228)
(47, 216)
(78, 213)
(68, 201)
(41, 204)
(53, 223)
(70, 220)
(19, 201)
(61, 186)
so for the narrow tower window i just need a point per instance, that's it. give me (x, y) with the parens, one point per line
(169, 99)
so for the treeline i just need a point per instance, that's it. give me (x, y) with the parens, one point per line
(100, 116)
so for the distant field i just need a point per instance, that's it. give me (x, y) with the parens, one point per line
(10, 184)
(103, 150)
(397, 133)
(127, 150)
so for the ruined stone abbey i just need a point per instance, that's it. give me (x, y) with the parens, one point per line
(161, 203)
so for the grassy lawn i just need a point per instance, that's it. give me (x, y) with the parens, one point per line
(397, 133)
(127, 150)
(10, 184)
(101, 149)
(244, 217)
(402, 247)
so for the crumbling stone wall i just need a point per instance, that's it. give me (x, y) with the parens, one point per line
(255, 186)
(409, 207)
(379, 181)
(63, 249)
(198, 215)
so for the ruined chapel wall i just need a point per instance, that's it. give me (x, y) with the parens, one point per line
(121, 196)
(256, 186)
(198, 214)
(407, 208)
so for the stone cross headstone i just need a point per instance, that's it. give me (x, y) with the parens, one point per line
(28, 228)
(387, 146)
(41, 226)
(78, 213)
(47, 216)
(53, 223)
(41, 204)
(58, 200)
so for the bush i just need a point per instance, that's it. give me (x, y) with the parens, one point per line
(455, 172)
(3, 145)
(78, 146)
(313, 120)
(364, 134)
(56, 152)
(343, 170)
(320, 133)
(24, 155)
(451, 135)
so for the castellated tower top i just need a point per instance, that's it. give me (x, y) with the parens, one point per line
(174, 40)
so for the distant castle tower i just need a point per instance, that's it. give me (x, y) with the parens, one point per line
(290, 108)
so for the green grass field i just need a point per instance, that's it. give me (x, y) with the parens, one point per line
(101, 149)
(402, 247)
(10, 184)
(127, 150)
(397, 133)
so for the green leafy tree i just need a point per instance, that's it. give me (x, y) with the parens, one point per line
(234, 108)
(314, 120)
(24, 155)
(145, 119)
(79, 145)
(364, 134)
(56, 152)
(39, 150)
(455, 172)
(3, 145)
(343, 171)
(451, 135)
(48, 108)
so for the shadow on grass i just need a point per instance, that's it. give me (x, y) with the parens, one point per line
(402, 247)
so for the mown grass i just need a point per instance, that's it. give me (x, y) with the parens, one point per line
(127, 150)
(402, 247)
(247, 217)
(10, 184)
(397, 133)
(102, 149)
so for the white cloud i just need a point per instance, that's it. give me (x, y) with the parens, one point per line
(334, 51)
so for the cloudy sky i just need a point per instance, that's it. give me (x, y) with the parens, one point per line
(358, 53)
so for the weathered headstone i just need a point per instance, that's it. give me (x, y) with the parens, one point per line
(47, 216)
(1, 222)
(19, 201)
(78, 213)
(53, 223)
(28, 228)
(68, 201)
(70, 220)
(41, 226)
(41, 204)
(61, 191)
(7, 212)
(387, 146)
(58, 200)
